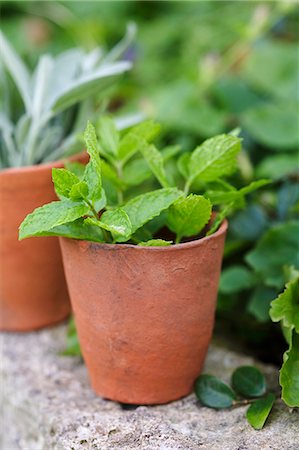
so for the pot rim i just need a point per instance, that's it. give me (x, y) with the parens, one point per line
(43, 166)
(183, 245)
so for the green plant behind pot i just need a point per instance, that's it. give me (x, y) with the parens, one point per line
(57, 98)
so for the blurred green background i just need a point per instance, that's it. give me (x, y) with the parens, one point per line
(202, 68)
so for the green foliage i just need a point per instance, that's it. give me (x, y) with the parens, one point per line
(88, 200)
(213, 393)
(286, 310)
(236, 279)
(155, 243)
(259, 411)
(249, 383)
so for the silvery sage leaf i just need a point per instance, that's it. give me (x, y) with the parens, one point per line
(214, 158)
(145, 207)
(45, 218)
(187, 216)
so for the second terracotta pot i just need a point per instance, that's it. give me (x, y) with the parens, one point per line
(33, 292)
(144, 315)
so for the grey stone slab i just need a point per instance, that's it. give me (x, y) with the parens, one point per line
(47, 404)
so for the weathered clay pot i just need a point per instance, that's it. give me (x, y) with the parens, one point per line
(33, 292)
(144, 315)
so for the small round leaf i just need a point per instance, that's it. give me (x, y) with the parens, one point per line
(212, 392)
(249, 381)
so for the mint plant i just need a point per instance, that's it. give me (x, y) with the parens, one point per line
(56, 99)
(97, 203)
(248, 387)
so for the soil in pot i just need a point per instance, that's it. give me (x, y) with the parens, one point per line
(144, 315)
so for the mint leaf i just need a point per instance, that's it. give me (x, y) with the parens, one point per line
(289, 373)
(212, 392)
(155, 161)
(79, 191)
(248, 381)
(78, 229)
(187, 216)
(183, 164)
(155, 243)
(45, 218)
(233, 195)
(138, 136)
(145, 207)
(115, 220)
(214, 158)
(93, 173)
(259, 411)
(63, 181)
(108, 135)
(286, 307)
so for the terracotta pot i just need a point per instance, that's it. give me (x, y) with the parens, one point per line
(33, 292)
(144, 315)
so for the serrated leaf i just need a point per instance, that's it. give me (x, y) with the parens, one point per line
(138, 136)
(116, 221)
(79, 191)
(63, 181)
(155, 161)
(289, 373)
(78, 229)
(234, 195)
(248, 381)
(108, 135)
(259, 411)
(155, 243)
(145, 207)
(215, 158)
(93, 172)
(136, 172)
(213, 392)
(183, 164)
(188, 216)
(235, 279)
(45, 218)
(286, 307)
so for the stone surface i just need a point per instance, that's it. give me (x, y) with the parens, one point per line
(47, 404)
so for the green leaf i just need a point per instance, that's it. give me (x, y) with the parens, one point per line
(259, 411)
(278, 247)
(138, 136)
(289, 373)
(286, 307)
(221, 215)
(278, 166)
(155, 161)
(233, 195)
(259, 302)
(86, 86)
(136, 172)
(155, 243)
(79, 191)
(45, 218)
(145, 207)
(78, 229)
(212, 392)
(236, 279)
(214, 158)
(108, 135)
(115, 220)
(248, 381)
(63, 181)
(275, 126)
(188, 216)
(72, 342)
(183, 164)
(93, 172)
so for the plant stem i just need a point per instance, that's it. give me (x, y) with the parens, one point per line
(106, 233)
(178, 239)
(187, 187)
